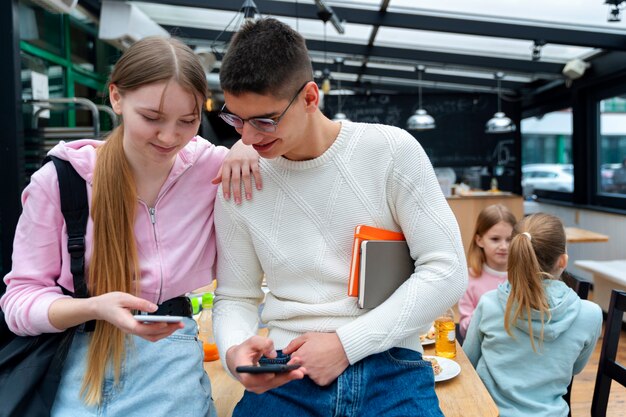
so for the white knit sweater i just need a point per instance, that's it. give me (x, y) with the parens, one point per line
(298, 231)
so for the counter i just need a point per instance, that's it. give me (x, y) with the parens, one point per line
(467, 207)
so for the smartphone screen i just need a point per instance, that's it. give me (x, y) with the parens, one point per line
(263, 369)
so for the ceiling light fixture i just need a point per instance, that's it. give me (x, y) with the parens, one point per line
(615, 10)
(499, 123)
(249, 10)
(246, 13)
(420, 120)
(536, 49)
(326, 13)
(339, 116)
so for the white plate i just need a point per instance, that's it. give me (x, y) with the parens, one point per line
(428, 341)
(449, 368)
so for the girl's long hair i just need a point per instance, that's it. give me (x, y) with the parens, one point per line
(487, 218)
(538, 241)
(114, 263)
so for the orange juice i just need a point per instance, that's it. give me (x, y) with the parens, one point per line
(210, 352)
(445, 339)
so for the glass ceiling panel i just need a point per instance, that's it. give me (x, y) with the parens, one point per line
(188, 16)
(581, 14)
(219, 19)
(475, 45)
(361, 4)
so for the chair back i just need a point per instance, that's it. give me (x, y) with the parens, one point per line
(608, 368)
(581, 287)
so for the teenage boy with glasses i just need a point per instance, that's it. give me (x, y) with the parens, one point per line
(321, 180)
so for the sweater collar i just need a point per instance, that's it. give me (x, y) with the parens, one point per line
(335, 149)
(493, 272)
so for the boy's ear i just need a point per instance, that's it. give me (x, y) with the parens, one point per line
(311, 96)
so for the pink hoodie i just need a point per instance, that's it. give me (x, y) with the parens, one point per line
(176, 243)
(476, 287)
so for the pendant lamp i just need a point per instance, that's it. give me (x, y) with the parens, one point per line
(339, 116)
(420, 120)
(499, 123)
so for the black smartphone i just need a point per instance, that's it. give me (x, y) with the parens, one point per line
(280, 359)
(272, 368)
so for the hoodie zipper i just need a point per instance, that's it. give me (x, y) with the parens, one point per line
(152, 213)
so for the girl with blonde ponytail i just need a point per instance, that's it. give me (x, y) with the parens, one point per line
(526, 337)
(150, 240)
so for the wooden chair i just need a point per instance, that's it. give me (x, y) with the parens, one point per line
(581, 287)
(608, 368)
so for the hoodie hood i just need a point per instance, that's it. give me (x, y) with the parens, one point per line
(564, 306)
(82, 155)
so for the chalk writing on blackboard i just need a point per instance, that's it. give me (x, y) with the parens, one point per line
(502, 153)
(459, 138)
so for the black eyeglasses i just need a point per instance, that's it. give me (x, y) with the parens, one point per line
(260, 123)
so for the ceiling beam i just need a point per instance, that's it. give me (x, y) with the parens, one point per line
(550, 70)
(411, 76)
(469, 25)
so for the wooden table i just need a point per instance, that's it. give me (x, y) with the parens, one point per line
(463, 395)
(226, 392)
(577, 235)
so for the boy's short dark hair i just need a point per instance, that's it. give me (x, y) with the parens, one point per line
(266, 57)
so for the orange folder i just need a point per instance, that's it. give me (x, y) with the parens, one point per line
(361, 233)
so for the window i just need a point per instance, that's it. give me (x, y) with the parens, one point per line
(547, 153)
(41, 28)
(612, 146)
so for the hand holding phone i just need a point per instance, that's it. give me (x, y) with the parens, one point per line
(147, 319)
(273, 368)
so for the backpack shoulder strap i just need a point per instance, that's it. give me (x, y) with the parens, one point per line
(75, 209)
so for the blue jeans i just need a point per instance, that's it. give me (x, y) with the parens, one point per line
(392, 383)
(164, 378)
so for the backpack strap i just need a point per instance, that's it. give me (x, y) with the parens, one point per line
(75, 209)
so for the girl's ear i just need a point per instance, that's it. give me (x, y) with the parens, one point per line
(562, 262)
(479, 241)
(116, 99)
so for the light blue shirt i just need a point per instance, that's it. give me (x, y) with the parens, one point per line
(523, 382)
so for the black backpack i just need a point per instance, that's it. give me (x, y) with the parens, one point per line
(31, 366)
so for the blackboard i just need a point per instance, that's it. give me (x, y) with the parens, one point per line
(459, 139)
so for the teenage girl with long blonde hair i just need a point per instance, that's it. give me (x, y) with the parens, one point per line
(531, 335)
(149, 240)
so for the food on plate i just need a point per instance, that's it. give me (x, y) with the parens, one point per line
(436, 367)
(430, 335)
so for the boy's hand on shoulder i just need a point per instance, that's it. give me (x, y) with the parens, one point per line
(249, 353)
(321, 354)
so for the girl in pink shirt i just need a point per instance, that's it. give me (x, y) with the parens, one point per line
(149, 240)
(486, 258)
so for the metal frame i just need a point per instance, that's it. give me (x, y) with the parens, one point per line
(459, 23)
(546, 75)
(12, 139)
(405, 56)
